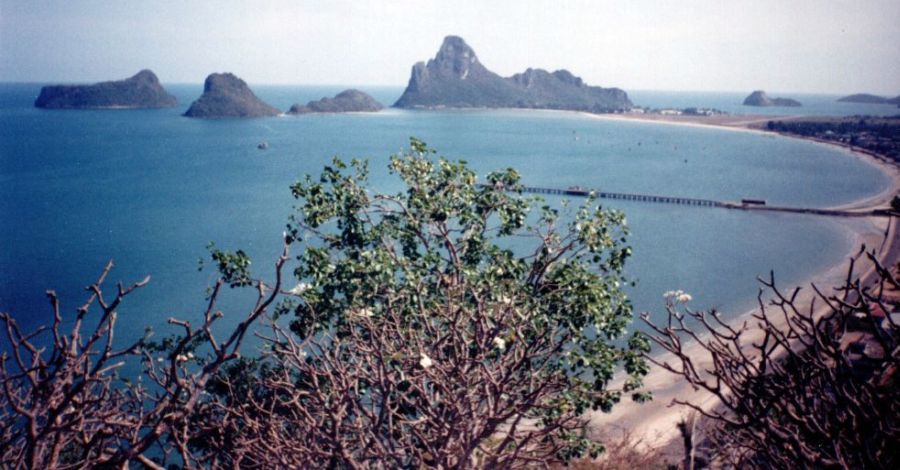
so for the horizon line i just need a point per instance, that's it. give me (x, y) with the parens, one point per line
(377, 85)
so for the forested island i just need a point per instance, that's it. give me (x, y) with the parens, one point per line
(346, 101)
(227, 96)
(869, 99)
(143, 90)
(760, 98)
(455, 78)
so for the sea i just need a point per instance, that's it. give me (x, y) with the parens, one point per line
(149, 189)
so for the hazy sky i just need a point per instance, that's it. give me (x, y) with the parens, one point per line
(777, 45)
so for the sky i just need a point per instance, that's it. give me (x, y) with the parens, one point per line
(806, 46)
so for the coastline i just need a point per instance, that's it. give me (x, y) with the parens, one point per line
(654, 424)
(746, 123)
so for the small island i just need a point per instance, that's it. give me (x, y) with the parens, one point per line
(869, 99)
(143, 90)
(760, 98)
(456, 79)
(227, 96)
(347, 101)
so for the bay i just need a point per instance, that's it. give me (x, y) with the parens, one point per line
(150, 188)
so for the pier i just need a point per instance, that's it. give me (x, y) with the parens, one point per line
(745, 204)
(582, 192)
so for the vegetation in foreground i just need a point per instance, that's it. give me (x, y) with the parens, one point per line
(411, 335)
(799, 385)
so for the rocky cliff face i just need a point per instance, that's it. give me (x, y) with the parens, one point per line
(140, 91)
(760, 98)
(344, 102)
(226, 96)
(455, 78)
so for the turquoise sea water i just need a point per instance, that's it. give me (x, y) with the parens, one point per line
(149, 189)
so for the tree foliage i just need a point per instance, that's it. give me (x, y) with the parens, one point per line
(420, 336)
(452, 324)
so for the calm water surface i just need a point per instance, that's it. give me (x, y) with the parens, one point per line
(149, 189)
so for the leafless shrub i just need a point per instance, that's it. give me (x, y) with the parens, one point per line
(798, 389)
(63, 407)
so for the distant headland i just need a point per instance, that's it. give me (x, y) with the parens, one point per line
(227, 96)
(760, 98)
(140, 91)
(456, 79)
(347, 101)
(870, 99)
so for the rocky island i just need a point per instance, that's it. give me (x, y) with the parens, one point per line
(869, 99)
(456, 79)
(760, 98)
(226, 96)
(140, 91)
(347, 101)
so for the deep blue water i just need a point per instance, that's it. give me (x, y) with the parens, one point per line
(149, 189)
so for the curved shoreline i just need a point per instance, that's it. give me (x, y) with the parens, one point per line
(883, 164)
(654, 424)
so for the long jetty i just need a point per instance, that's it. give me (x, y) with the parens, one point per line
(581, 192)
(746, 204)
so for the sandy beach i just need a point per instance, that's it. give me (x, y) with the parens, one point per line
(654, 423)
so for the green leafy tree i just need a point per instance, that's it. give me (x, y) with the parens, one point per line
(423, 333)
(453, 324)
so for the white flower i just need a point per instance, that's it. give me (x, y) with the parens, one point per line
(159, 359)
(425, 361)
(190, 354)
(363, 312)
(677, 296)
(505, 300)
(181, 358)
(299, 289)
(500, 343)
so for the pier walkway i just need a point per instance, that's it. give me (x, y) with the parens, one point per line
(583, 192)
(747, 204)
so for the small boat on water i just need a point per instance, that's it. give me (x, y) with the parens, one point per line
(263, 145)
